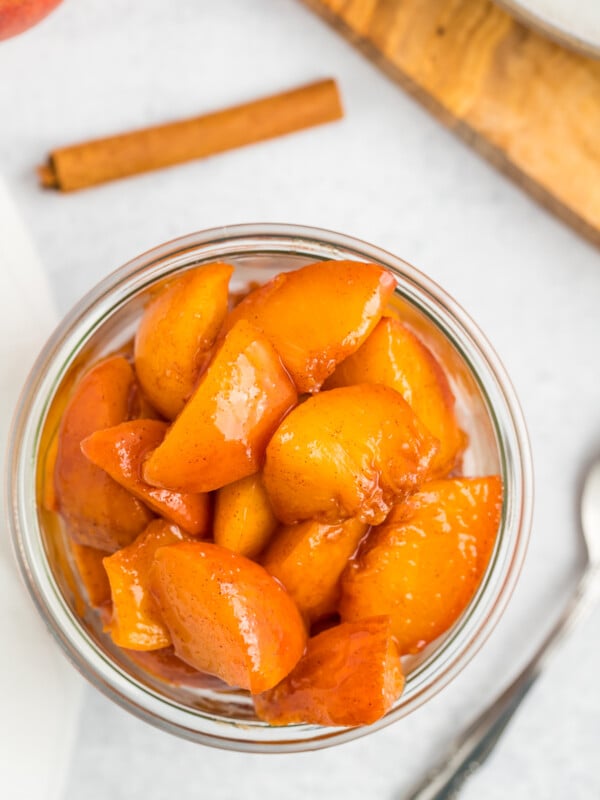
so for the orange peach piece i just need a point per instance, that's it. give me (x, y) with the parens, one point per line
(308, 559)
(222, 433)
(90, 569)
(136, 621)
(244, 521)
(350, 675)
(349, 452)
(318, 315)
(97, 511)
(393, 356)
(164, 665)
(17, 16)
(176, 334)
(226, 615)
(120, 451)
(423, 565)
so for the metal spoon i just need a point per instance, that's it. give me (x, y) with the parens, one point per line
(444, 781)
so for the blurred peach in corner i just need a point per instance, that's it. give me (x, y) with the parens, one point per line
(17, 16)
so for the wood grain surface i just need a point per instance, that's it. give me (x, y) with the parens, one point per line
(528, 105)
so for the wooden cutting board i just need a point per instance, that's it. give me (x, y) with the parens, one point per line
(528, 105)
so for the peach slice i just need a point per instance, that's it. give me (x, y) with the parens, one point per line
(176, 334)
(244, 520)
(349, 452)
(226, 615)
(136, 622)
(308, 559)
(317, 315)
(423, 565)
(350, 675)
(17, 16)
(164, 665)
(97, 511)
(222, 433)
(120, 451)
(393, 356)
(91, 571)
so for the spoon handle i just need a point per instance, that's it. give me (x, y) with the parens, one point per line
(478, 741)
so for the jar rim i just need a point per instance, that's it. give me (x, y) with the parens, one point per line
(112, 293)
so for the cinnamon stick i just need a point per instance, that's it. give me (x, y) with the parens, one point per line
(101, 160)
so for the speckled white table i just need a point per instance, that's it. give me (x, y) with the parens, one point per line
(389, 174)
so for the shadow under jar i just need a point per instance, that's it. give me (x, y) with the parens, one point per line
(104, 321)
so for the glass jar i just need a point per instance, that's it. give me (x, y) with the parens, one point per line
(103, 321)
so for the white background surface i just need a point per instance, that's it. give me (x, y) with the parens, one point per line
(389, 174)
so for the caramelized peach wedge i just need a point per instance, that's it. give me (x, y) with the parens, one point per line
(224, 428)
(244, 520)
(97, 511)
(120, 452)
(136, 622)
(423, 565)
(350, 675)
(226, 615)
(309, 558)
(394, 356)
(272, 498)
(346, 297)
(88, 562)
(348, 452)
(176, 335)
